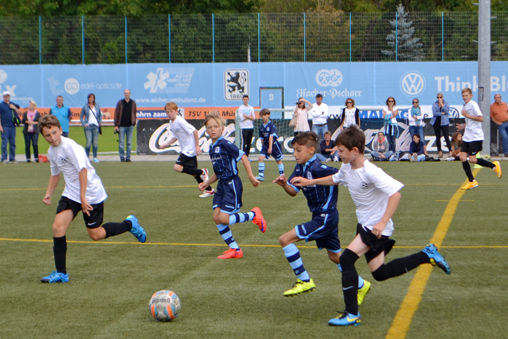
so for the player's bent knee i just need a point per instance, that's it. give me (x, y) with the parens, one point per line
(178, 168)
(381, 273)
(333, 256)
(348, 259)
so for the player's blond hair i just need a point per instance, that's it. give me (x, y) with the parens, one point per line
(467, 89)
(171, 105)
(48, 121)
(215, 115)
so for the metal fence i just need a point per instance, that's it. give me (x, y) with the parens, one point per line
(256, 37)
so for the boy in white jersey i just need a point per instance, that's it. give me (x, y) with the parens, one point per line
(247, 115)
(472, 141)
(83, 192)
(376, 196)
(187, 136)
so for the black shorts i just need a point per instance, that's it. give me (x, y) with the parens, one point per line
(96, 215)
(471, 147)
(184, 160)
(377, 246)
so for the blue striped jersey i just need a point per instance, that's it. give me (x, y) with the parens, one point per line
(224, 156)
(266, 130)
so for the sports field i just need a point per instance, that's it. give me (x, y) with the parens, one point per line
(111, 281)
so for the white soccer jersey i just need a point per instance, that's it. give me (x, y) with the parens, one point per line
(247, 110)
(70, 158)
(473, 130)
(370, 187)
(184, 132)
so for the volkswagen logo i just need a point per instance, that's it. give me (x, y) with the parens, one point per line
(71, 86)
(331, 77)
(412, 83)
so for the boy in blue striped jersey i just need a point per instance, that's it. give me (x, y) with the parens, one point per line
(227, 200)
(268, 136)
(322, 202)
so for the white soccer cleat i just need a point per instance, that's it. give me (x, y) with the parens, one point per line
(207, 194)
(204, 176)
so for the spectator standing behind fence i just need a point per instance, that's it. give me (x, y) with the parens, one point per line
(301, 113)
(319, 113)
(381, 148)
(391, 131)
(415, 119)
(125, 120)
(247, 115)
(63, 114)
(9, 113)
(31, 130)
(499, 114)
(350, 115)
(91, 119)
(440, 121)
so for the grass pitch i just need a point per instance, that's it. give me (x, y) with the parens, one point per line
(111, 281)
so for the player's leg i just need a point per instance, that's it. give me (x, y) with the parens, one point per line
(261, 164)
(221, 220)
(278, 156)
(495, 166)
(303, 281)
(463, 156)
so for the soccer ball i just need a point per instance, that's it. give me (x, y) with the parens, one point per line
(164, 305)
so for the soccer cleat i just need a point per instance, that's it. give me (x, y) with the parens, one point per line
(204, 175)
(136, 229)
(300, 287)
(260, 178)
(362, 292)
(436, 259)
(470, 185)
(232, 254)
(346, 319)
(258, 219)
(497, 169)
(207, 194)
(56, 277)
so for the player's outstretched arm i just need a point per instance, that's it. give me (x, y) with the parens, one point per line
(303, 182)
(248, 169)
(282, 181)
(202, 186)
(196, 139)
(53, 182)
(170, 142)
(393, 203)
(83, 182)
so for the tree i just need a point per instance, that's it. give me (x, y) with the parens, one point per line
(402, 45)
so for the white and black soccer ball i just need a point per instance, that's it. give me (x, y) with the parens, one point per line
(165, 305)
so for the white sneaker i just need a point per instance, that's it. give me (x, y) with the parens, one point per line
(335, 159)
(204, 176)
(328, 160)
(207, 194)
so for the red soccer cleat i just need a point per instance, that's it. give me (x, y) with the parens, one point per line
(258, 219)
(231, 254)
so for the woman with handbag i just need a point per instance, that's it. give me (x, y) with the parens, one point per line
(91, 119)
(31, 130)
(300, 118)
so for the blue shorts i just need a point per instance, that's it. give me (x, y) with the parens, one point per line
(276, 151)
(228, 195)
(323, 228)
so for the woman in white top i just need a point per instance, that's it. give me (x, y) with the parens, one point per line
(301, 110)
(415, 119)
(350, 115)
(91, 119)
(390, 123)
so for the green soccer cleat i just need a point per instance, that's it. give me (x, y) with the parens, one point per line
(362, 292)
(300, 287)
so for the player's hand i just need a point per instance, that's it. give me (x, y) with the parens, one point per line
(465, 114)
(198, 150)
(269, 151)
(203, 185)
(254, 181)
(86, 207)
(300, 182)
(378, 229)
(281, 180)
(47, 199)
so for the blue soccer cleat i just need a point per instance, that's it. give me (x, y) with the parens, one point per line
(436, 259)
(56, 277)
(137, 230)
(346, 319)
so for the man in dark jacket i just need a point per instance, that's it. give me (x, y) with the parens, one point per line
(125, 120)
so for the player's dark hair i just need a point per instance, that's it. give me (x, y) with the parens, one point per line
(48, 121)
(309, 139)
(245, 96)
(319, 95)
(264, 111)
(352, 137)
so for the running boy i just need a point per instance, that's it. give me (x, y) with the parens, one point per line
(83, 192)
(228, 197)
(322, 202)
(187, 136)
(472, 142)
(268, 136)
(376, 197)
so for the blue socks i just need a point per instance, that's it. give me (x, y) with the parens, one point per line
(360, 279)
(281, 168)
(293, 256)
(240, 217)
(226, 234)
(261, 168)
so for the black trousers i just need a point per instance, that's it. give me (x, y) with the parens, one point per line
(247, 135)
(437, 130)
